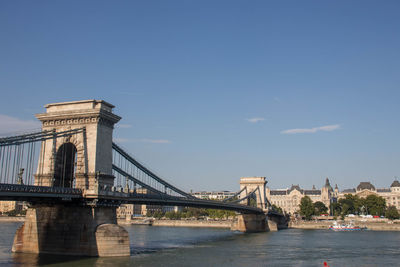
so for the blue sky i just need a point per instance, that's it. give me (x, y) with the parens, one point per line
(210, 91)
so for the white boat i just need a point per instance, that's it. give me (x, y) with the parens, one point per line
(345, 227)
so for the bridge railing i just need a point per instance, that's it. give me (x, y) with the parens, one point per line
(20, 155)
(16, 188)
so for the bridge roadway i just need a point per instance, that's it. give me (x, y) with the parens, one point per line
(40, 194)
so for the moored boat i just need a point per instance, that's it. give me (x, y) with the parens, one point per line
(346, 227)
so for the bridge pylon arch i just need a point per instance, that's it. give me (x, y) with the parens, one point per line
(93, 144)
(65, 165)
(256, 184)
(78, 154)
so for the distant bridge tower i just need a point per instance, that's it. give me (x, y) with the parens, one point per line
(252, 222)
(256, 184)
(76, 160)
(255, 223)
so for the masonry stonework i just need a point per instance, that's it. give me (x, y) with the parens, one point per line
(93, 146)
(83, 160)
(70, 230)
(256, 184)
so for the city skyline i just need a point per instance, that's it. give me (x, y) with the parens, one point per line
(211, 92)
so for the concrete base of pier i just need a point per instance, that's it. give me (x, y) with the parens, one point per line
(278, 222)
(72, 230)
(272, 226)
(250, 223)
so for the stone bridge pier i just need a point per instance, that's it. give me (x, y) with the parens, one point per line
(251, 223)
(71, 230)
(82, 161)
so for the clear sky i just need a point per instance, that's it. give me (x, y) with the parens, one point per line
(210, 91)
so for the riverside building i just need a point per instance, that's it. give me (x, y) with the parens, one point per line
(364, 189)
(289, 199)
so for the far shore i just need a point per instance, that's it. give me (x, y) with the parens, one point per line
(374, 225)
(12, 218)
(178, 223)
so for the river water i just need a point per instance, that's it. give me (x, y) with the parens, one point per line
(168, 246)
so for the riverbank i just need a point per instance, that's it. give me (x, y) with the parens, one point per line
(193, 223)
(12, 219)
(374, 225)
(178, 223)
(380, 225)
(153, 222)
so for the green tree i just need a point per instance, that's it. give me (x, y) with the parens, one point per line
(172, 215)
(276, 208)
(194, 212)
(156, 214)
(392, 213)
(336, 209)
(348, 205)
(375, 205)
(320, 208)
(352, 204)
(306, 207)
(357, 202)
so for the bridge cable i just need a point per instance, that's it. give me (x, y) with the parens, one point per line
(1, 165)
(122, 172)
(148, 172)
(8, 163)
(235, 195)
(246, 197)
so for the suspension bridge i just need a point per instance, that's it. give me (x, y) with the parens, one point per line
(74, 177)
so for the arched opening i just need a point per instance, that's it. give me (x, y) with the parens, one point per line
(65, 168)
(252, 200)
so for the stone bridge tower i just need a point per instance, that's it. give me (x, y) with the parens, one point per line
(76, 160)
(83, 160)
(261, 222)
(253, 222)
(251, 184)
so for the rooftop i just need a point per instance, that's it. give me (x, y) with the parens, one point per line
(395, 183)
(365, 185)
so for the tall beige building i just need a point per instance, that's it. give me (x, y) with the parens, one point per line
(289, 199)
(6, 206)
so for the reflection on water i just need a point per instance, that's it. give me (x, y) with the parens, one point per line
(166, 246)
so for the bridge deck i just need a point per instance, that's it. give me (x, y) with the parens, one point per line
(61, 194)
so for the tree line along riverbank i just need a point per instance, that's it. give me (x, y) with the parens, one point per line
(372, 205)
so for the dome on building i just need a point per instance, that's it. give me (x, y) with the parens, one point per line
(295, 187)
(365, 185)
(395, 184)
